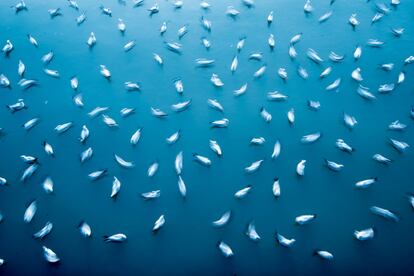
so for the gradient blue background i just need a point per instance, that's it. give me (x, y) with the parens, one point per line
(187, 243)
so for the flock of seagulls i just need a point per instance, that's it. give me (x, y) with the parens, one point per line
(349, 120)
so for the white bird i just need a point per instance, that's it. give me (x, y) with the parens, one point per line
(334, 85)
(47, 57)
(243, 192)
(324, 17)
(397, 125)
(181, 106)
(181, 187)
(342, 145)
(234, 64)
(4, 81)
(28, 159)
(304, 219)
(116, 186)
(52, 73)
(115, 238)
(74, 83)
(260, 72)
(314, 56)
(314, 105)
(135, 137)
(252, 233)
(31, 123)
(363, 184)
(400, 146)
(132, 86)
(110, 122)
(271, 41)
(95, 175)
(81, 18)
(63, 127)
(32, 40)
(357, 52)
(308, 7)
(158, 113)
(179, 86)
(202, 160)
(326, 255)
(364, 93)
(303, 73)
(173, 137)
(353, 20)
(276, 150)
(216, 80)
(225, 249)
(21, 68)
(401, 77)
(240, 91)
(121, 25)
(232, 12)
(311, 138)
(283, 241)
(282, 73)
(350, 121)
(325, 72)
(85, 229)
(365, 234)
(179, 163)
(29, 171)
(97, 111)
(129, 45)
(8, 47)
(300, 168)
(257, 141)
(333, 165)
(159, 223)
(91, 40)
(291, 116)
(151, 195)
(105, 72)
(163, 28)
(123, 163)
(223, 220)
(270, 18)
(30, 211)
(215, 147)
(253, 167)
(240, 44)
(158, 59)
(385, 213)
(205, 5)
(44, 231)
(356, 75)
(292, 52)
(276, 187)
(48, 149)
(265, 115)
(222, 123)
(86, 154)
(152, 169)
(84, 134)
(381, 158)
(48, 185)
(50, 255)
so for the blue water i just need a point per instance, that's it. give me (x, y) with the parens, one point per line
(188, 242)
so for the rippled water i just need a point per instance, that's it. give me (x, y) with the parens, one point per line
(188, 242)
